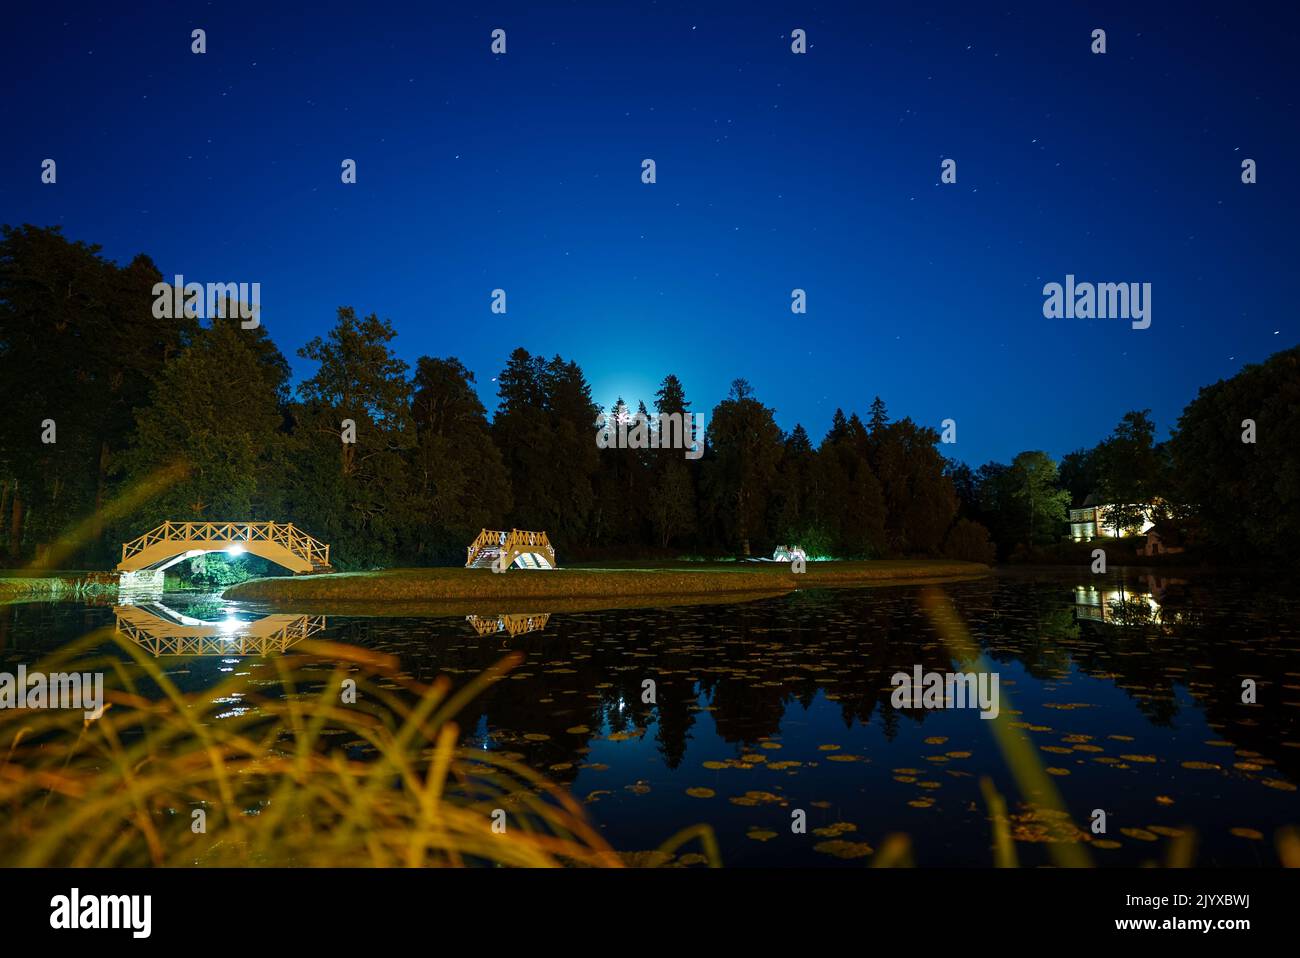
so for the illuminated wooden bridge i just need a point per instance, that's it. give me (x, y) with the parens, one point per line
(528, 550)
(276, 542)
(512, 623)
(162, 631)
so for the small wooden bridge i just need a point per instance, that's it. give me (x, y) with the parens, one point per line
(276, 542)
(163, 631)
(514, 623)
(528, 550)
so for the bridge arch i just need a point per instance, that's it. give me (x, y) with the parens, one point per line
(278, 542)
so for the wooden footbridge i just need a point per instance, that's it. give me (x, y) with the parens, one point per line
(276, 542)
(162, 631)
(527, 550)
(517, 623)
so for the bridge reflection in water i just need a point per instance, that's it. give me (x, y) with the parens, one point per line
(163, 631)
(514, 624)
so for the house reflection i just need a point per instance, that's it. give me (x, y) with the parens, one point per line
(163, 631)
(1119, 605)
(512, 623)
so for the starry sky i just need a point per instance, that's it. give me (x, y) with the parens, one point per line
(775, 171)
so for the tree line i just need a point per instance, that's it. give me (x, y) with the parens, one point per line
(1228, 475)
(155, 419)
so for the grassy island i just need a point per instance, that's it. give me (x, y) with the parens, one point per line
(609, 584)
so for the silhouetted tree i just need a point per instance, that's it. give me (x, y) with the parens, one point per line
(1036, 498)
(459, 479)
(1080, 474)
(545, 427)
(355, 495)
(792, 508)
(920, 502)
(746, 443)
(674, 478)
(1131, 470)
(969, 541)
(79, 346)
(851, 505)
(1247, 495)
(217, 413)
(879, 415)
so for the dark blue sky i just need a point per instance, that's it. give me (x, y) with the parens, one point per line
(775, 171)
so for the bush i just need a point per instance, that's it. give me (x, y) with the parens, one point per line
(815, 541)
(968, 540)
(215, 570)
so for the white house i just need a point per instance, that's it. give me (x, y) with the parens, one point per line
(1092, 520)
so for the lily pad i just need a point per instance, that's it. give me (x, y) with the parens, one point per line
(842, 849)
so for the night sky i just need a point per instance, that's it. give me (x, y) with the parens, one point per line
(775, 171)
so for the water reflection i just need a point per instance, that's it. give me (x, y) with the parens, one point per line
(514, 624)
(1115, 606)
(1146, 604)
(145, 585)
(163, 631)
(1133, 692)
(1129, 688)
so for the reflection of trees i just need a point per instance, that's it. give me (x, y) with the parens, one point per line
(748, 663)
(1044, 652)
(1209, 634)
(756, 663)
(1132, 610)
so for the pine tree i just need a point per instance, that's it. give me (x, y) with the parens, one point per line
(879, 415)
(671, 396)
(460, 481)
(355, 495)
(746, 443)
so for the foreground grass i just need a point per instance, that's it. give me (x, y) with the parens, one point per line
(603, 584)
(234, 776)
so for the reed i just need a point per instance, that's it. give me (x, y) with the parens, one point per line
(53, 588)
(282, 773)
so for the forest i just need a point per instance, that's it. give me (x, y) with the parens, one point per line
(115, 420)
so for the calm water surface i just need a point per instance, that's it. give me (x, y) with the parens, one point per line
(1129, 687)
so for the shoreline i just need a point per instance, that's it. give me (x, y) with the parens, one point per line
(24, 585)
(589, 586)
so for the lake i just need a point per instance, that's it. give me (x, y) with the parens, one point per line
(1129, 687)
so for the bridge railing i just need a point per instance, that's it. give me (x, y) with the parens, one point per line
(162, 637)
(529, 542)
(514, 624)
(515, 540)
(482, 541)
(301, 544)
